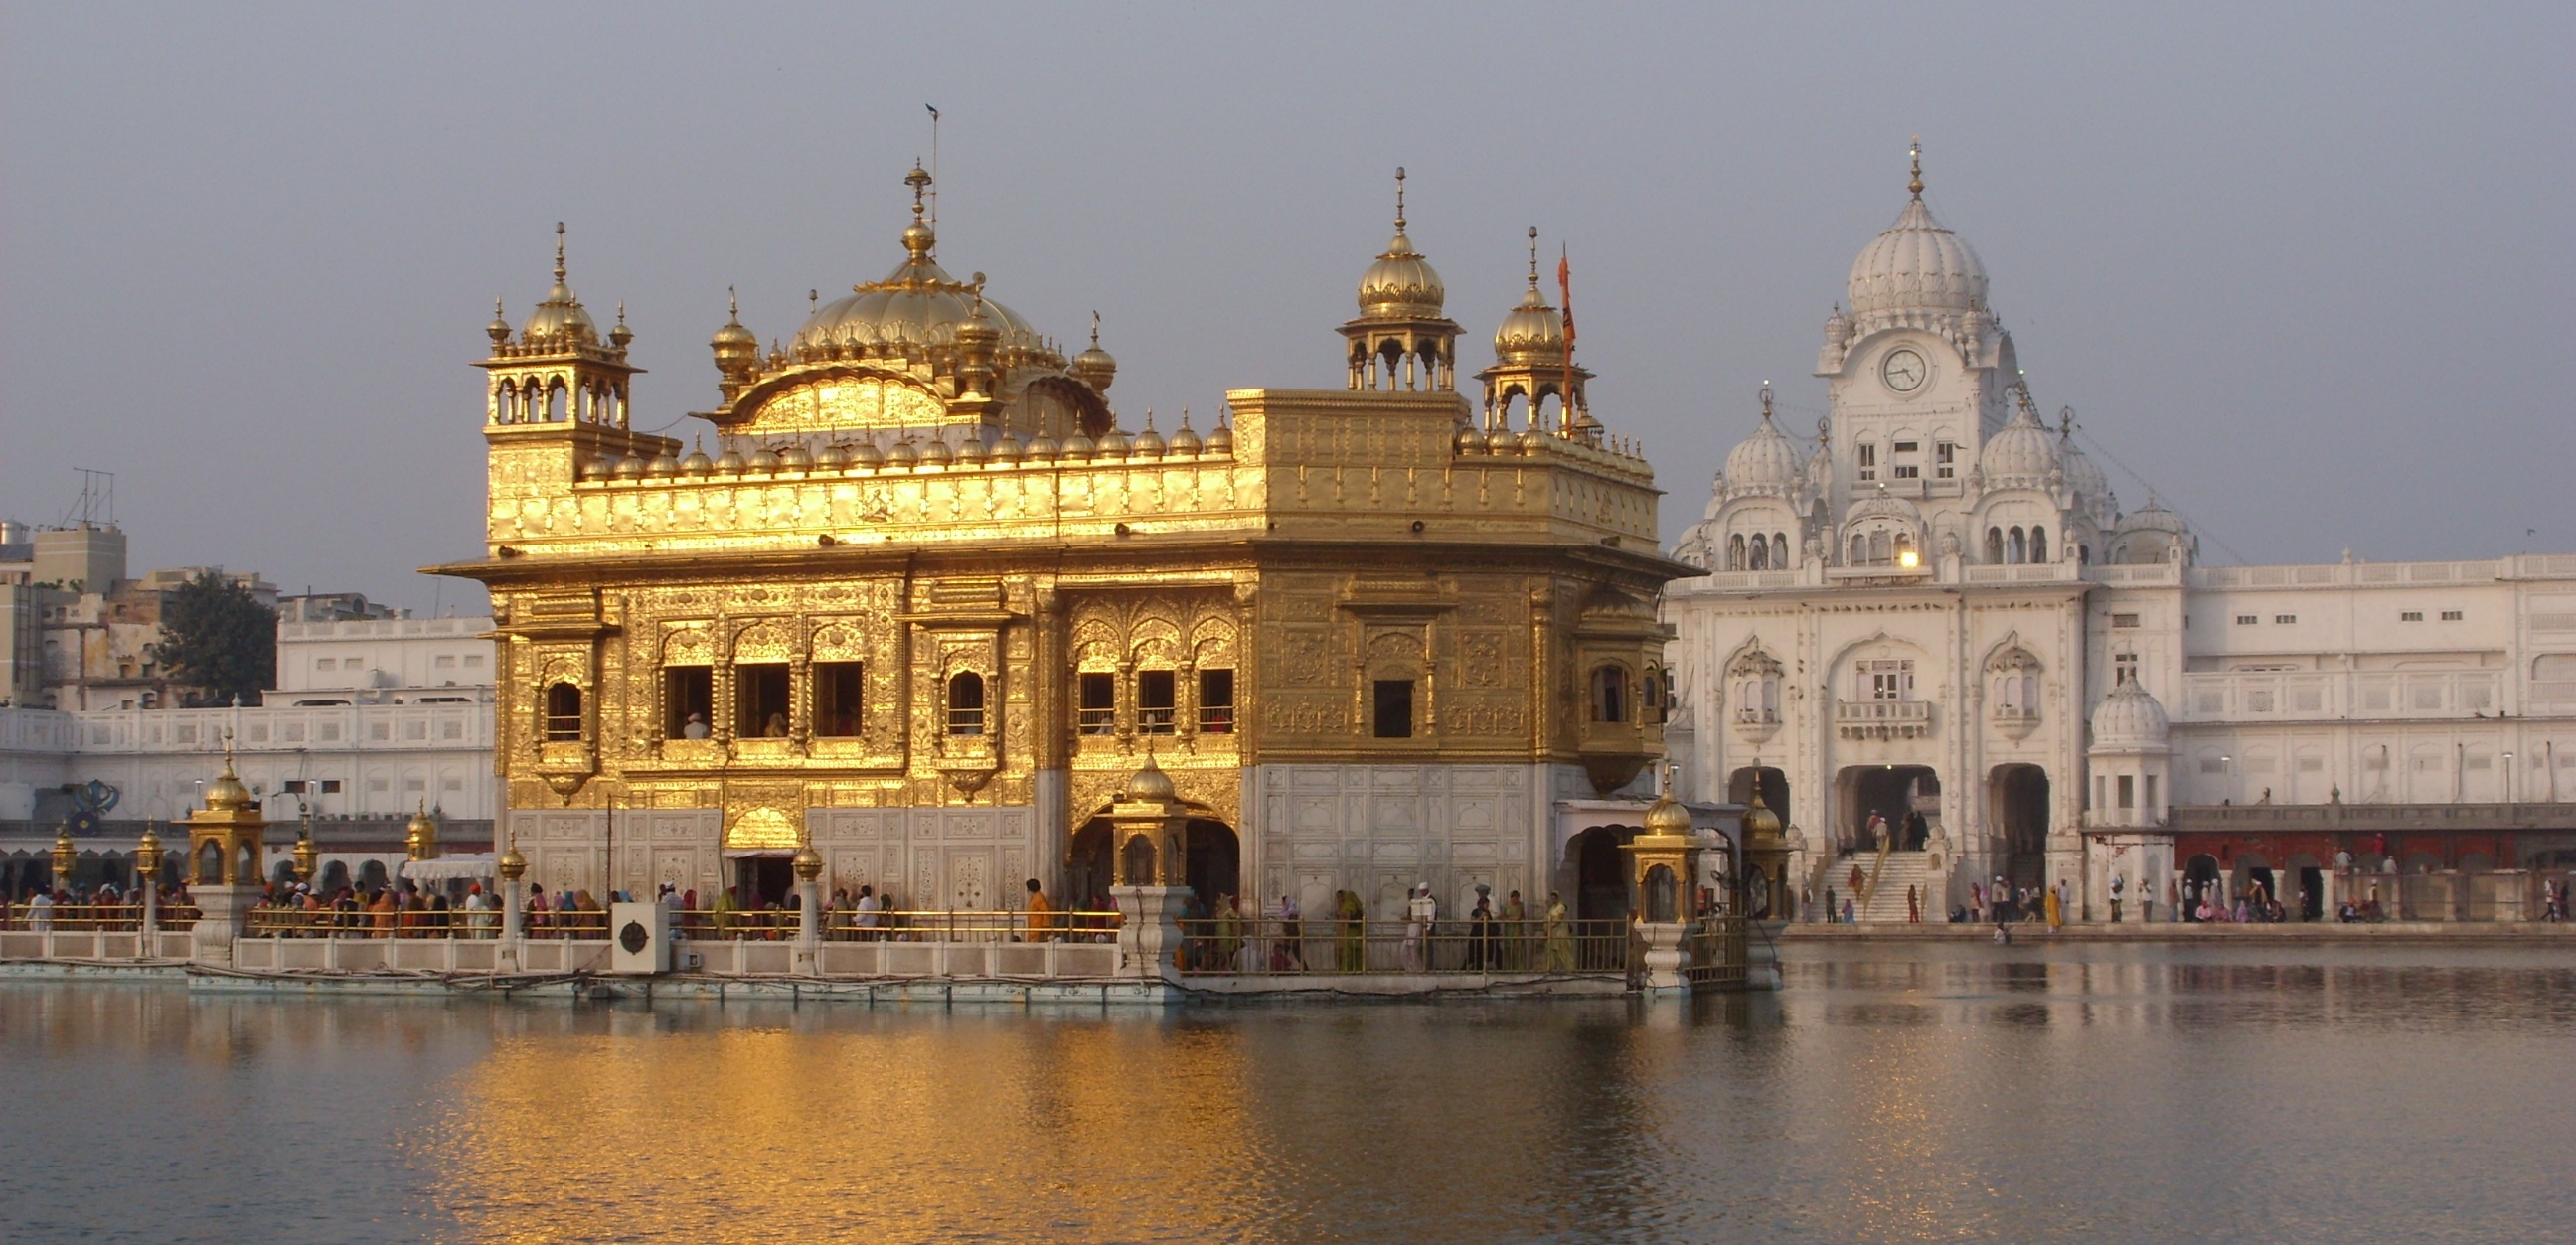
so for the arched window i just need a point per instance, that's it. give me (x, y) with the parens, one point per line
(1880, 550)
(1735, 556)
(1650, 697)
(1780, 559)
(1859, 550)
(1609, 694)
(563, 712)
(2016, 547)
(1761, 558)
(2038, 544)
(1994, 546)
(1903, 546)
(966, 703)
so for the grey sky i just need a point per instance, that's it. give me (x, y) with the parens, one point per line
(2305, 269)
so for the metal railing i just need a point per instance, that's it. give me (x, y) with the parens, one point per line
(369, 922)
(1269, 946)
(780, 924)
(76, 918)
(1719, 952)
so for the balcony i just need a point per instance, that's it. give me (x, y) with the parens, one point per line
(1883, 719)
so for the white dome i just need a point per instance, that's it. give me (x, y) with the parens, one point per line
(1916, 265)
(1766, 461)
(2023, 453)
(2152, 518)
(2085, 477)
(2128, 718)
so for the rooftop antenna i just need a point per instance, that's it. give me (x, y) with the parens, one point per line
(98, 492)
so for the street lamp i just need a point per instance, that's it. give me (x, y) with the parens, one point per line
(147, 869)
(65, 856)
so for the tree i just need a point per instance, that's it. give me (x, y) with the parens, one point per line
(218, 639)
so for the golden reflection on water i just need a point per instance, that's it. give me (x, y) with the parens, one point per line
(1009, 1127)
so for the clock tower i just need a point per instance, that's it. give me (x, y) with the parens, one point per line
(1917, 372)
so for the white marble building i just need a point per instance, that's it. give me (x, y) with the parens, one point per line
(1935, 613)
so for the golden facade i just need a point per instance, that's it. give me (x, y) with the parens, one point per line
(933, 601)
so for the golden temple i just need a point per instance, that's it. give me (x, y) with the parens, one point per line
(933, 601)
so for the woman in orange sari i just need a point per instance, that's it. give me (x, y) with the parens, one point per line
(381, 913)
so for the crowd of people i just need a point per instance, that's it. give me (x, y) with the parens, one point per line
(105, 907)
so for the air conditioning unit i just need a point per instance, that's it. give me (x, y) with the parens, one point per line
(639, 938)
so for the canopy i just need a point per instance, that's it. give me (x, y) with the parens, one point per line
(449, 868)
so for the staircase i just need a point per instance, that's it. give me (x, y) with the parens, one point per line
(1885, 902)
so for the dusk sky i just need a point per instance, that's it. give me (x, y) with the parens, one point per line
(2303, 273)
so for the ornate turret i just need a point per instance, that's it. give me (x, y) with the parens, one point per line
(1401, 340)
(559, 369)
(225, 838)
(1532, 360)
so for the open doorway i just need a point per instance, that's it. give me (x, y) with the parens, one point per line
(1887, 804)
(1600, 874)
(1214, 868)
(2018, 794)
(2199, 884)
(764, 880)
(1089, 868)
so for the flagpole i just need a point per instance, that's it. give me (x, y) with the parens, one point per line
(934, 166)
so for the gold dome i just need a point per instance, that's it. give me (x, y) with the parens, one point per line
(1401, 285)
(1150, 785)
(420, 838)
(1094, 366)
(808, 863)
(1667, 817)
(512, 866)
(499, 328)
(227, 794)
(916, 307)
(1759, 821)
(1532, 332)
(560, 320)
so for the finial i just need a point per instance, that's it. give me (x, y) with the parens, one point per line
(1149, 419)
(497, 313)
(813, 301)
(733, 303)
(1766, 402)
(1916, 185)
(559, 252)
(919, 180)
(1533, 235)
(621, 312)
(1185, 417)
(1399, 198)
(1095, 333)
(2065, 422)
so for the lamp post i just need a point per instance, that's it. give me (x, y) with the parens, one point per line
(809, 909)
(512, 866)
(147, 877)
(65, 858)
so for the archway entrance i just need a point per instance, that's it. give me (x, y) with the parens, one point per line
(1215, 865)
(1887, 802)
(1773, 784)
(1600, 874)
(2199, 882)
(1089, 867)
(764, 880)
(2018, 794)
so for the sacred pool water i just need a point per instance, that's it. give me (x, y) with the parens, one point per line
(1892, 1093)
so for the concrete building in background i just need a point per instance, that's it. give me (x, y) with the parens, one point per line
(373, 719)
(1933, 627)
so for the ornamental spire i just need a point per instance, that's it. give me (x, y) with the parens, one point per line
(559, 252)
(1399, 199)
(1916, 185)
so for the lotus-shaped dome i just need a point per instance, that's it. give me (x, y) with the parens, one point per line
(1766, 461)
(917, 306)
(560, 320)
(2129, 718)
(1402, 285)
(1532, 331)
(1916, 265)
(2022, 453)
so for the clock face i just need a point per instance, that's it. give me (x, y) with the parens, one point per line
(1904, 371)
